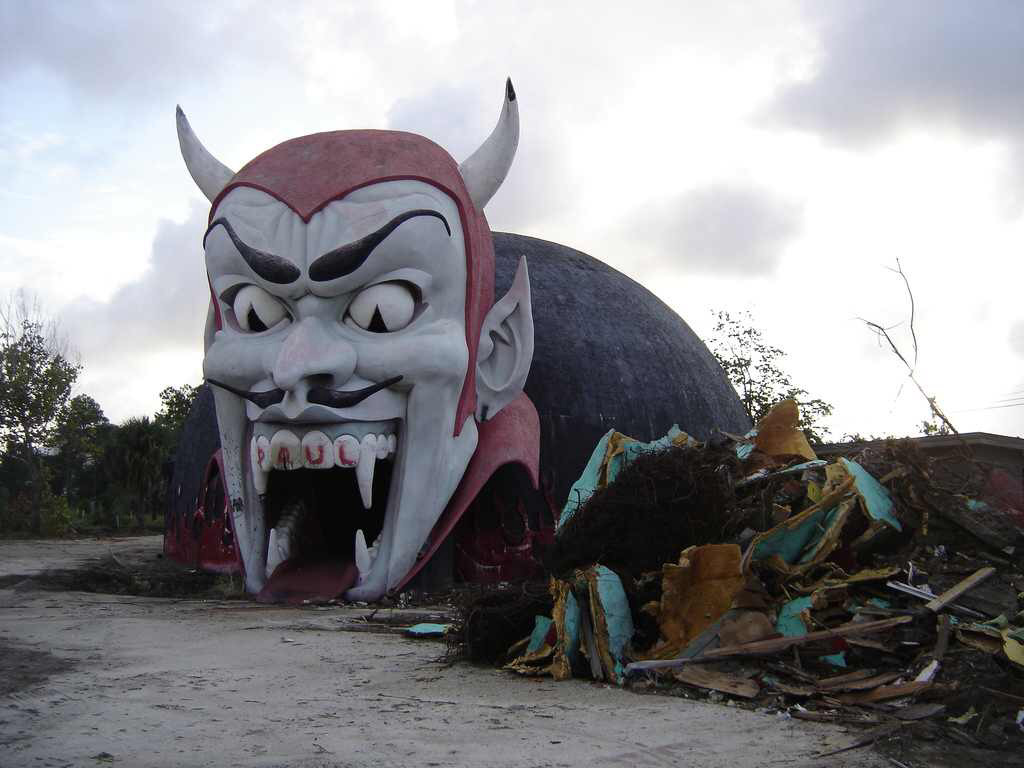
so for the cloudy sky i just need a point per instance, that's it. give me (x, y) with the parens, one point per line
(775, 157)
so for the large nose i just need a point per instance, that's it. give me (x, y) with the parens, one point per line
(310, 350)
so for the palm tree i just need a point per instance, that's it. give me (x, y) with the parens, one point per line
(134, 464)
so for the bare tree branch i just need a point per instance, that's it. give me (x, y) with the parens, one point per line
(910, 293)
(883, 333)
(20, 310)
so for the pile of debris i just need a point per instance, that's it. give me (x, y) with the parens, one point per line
(881, 589)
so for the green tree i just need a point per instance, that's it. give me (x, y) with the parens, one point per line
(175, 404)
(754, 368)
(935, 427)
(36, 377)
(80, 438)
(133, 464)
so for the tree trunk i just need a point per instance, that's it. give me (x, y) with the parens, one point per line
(140, 512)
(69, 478)
(34, 478)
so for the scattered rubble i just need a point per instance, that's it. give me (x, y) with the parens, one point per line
(880, 590)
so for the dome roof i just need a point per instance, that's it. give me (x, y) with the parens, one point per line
(608, 354)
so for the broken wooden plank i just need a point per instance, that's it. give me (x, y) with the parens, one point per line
(954, 592)
(921, 711)
(775, 645)
(713, 680)
(1004, 694)
(866, 683)
(789, 669)
(942, 628)
(921, 594)
(884, 693)
(873, 643)
(847, 677)
(803, 691)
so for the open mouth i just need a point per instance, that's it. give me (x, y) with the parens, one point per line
(325, 490)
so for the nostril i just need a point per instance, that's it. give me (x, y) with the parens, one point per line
(320, 380)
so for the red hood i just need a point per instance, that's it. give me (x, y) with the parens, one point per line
(511, 437)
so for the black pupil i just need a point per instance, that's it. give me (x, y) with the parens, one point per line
(255, 324)
(377, 324)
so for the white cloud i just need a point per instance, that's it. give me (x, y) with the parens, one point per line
(148, 334)
(884, 67)
(882, 64)
(630, 123)
(726, 229)
(1017, 338)
(106, 52)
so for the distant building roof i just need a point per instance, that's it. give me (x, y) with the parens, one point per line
(972, 439)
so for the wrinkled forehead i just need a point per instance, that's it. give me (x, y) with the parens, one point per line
(266, 224)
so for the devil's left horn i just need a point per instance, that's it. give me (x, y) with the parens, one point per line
(485, 169)
(210, 174)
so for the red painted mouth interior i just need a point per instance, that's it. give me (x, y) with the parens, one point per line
(328, 510)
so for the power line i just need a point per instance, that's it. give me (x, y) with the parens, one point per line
(995, 403)
(1009, 399)
(991, 408)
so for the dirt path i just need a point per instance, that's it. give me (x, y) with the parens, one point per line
(92, 678)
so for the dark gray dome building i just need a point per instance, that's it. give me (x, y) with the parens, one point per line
(608, 354)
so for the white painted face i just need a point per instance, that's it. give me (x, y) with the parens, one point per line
(339, 363)
(337, 374)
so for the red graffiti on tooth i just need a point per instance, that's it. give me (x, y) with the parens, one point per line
(284, 457)
(319, 459)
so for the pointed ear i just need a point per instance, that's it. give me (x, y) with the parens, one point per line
(506, 348)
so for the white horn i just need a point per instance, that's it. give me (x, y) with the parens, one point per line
(210, 174)
(485, 169)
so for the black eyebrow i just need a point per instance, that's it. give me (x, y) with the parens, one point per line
(348, 258)
(268, 266)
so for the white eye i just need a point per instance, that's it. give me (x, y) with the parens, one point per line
(256, 310)
(383, 308)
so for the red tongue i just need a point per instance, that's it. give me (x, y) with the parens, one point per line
(295, 583)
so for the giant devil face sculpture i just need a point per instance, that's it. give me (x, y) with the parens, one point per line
(355, 349)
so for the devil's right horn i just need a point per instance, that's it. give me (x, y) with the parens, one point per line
(209, 173)
(485, 169)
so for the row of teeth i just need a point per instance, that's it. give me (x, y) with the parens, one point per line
(279, 547)
(364, 556)
(315, 450)
(279, 543)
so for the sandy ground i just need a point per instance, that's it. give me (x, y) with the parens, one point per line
(91, 679)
